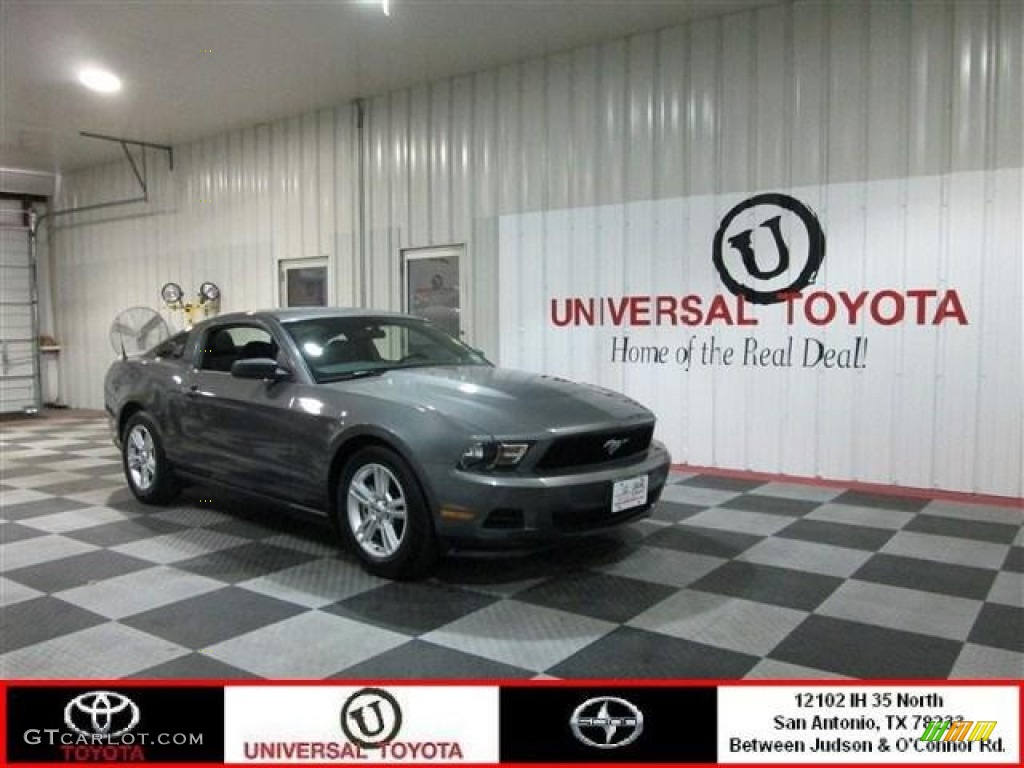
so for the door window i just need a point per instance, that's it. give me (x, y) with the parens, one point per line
(225, 345)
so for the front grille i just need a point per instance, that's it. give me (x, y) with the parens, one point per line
(595, 448)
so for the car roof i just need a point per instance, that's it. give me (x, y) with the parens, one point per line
(290, 314)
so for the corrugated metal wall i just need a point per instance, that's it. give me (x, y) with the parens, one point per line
(231, 208)
(797, 95)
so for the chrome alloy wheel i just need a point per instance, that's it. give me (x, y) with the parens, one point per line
(141, 457)
(377, 510)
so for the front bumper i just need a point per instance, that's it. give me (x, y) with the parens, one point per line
(509, 510)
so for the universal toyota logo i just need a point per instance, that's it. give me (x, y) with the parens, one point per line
(607, 722)
(101, 713)
(371, 717)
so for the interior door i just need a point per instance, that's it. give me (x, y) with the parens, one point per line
(19, 364)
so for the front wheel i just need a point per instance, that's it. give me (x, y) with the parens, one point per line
(150, 475)
(383, 515)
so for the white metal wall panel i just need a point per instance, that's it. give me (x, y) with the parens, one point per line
(828, 98)
(231, 208)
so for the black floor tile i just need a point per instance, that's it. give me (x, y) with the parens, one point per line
(839, 534)
(201, 621)
(636, 653)
(77, 570)
(768, 584)
(125, 531)
(27, 470)
(705, 541)
(598, 595)
(194, 666)
(673, 512)
(1001, 626)
(41, 507)
(963, 529)
(410, 607)
(773, 505)
(12, 532)
(244, 562)
(864, 651)
(881, 501)
(41, 619)
(928, 576)
(1014, 560)
(419, 659)
(720, 483)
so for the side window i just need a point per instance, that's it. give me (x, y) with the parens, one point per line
(224, 345)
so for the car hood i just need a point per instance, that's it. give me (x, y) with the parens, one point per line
(499, 401)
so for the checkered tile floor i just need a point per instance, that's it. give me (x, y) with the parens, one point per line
(729, 579)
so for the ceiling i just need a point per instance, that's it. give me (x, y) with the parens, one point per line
(194, 68)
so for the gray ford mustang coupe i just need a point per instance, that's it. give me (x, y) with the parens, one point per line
(407, 438)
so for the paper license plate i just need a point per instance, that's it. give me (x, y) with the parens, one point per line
(627, 494)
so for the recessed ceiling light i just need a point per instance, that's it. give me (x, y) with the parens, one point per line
(99, 80)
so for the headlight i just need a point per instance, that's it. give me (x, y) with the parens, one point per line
(491, 455)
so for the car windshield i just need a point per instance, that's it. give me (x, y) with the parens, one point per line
(338, 348)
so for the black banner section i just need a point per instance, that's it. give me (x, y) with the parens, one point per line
(118, 724)
(609, 725)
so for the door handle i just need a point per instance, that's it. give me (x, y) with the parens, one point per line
(192, 391)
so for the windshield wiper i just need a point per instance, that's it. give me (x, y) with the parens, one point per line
(355, 375)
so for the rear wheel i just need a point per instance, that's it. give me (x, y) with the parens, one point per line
(150, 475)
(384, 517)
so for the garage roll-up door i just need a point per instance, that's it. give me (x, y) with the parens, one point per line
(19, 369)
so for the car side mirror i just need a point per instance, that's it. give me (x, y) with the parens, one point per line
(260, 368)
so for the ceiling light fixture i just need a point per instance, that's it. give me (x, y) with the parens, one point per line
(99, 80)
(385, 5)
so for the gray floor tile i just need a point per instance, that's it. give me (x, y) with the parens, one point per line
(201, 621)
(410, 608)
(768, 584)
(316, 583)
(1008, 589)
(673, 512)
(109, 650)
(183, 545)
(328, 644)
(868, 517)
(664, 566)
(904, 609)
(976, 512)
(75, 519)
(865, 651)
(635, 653)
(125, 531)
(798, 491)
(48, 482)
(984, 661)
(722, 483)
(80, 484)
(928, 576)
(12, 592)
(724, 519)
(806, 556)
(722, 622)
(139, 591)
(419, 660)
(697, 497)
(519, 634)
(946, 549)
(42, 549)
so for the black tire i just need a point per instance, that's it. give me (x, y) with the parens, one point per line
(149, 474)
(390, 545)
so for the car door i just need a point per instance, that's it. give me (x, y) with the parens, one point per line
(247, 432)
